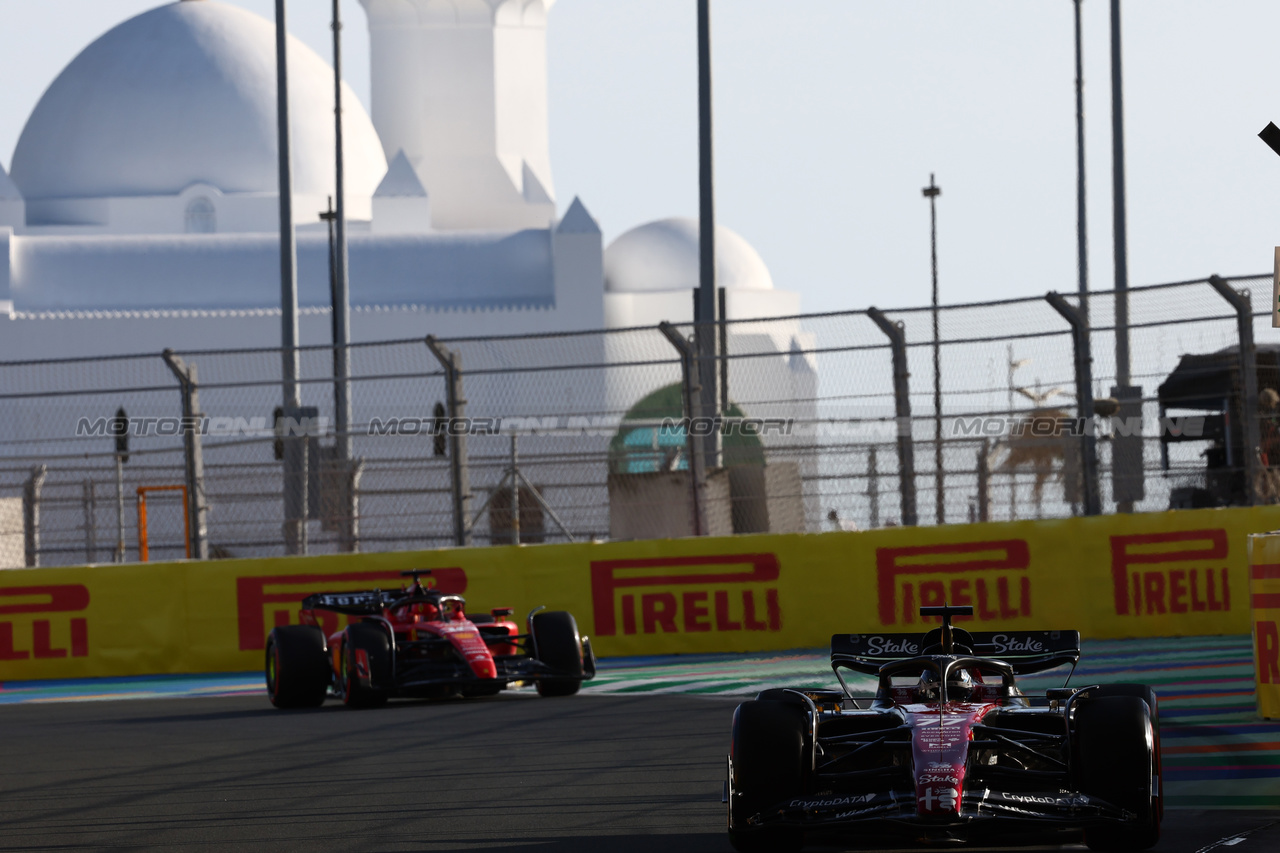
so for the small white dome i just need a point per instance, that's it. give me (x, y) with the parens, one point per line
(186, 93)
(663, 255)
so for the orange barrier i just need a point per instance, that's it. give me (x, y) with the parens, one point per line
(1264, 595)
(144, 540)
(1158, 574)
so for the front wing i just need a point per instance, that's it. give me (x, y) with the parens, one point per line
(982, 811)
(416, 669)
(431, 673)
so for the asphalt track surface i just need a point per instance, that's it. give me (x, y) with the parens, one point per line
(618, 773)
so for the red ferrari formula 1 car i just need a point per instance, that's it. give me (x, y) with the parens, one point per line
(421, 643)
(957, 753)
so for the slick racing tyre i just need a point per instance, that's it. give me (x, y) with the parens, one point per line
(297, 667)
(559, 646)
(1116, 761)
(766, 769)
(1146, 694)
(366, 665)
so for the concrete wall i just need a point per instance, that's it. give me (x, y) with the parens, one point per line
(660, 505)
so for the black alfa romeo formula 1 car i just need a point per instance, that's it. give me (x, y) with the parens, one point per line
(948, 750)
(419, 642)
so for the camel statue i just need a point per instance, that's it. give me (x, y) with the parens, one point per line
(1044, 453)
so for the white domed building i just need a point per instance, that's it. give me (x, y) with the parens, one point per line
(651, 273)
(167, 125)
(141, 208)
(144, 187)
(144, 183)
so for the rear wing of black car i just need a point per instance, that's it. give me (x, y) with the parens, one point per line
(1026, 651)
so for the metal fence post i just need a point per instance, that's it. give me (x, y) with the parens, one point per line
(902, 405)
(515, 491)
(1084, 398)
(873, 487)
(723, 323)
(694, 447)
(1243, 306)
(293, 430)
(89, 503)
(31, 515)
(984, 481)
(349, 527)
(459, 472)
(119, 553)
(192, 452)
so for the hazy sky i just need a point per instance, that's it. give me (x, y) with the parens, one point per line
(831, 114)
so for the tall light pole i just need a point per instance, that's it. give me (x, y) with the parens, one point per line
(288, 245)
(1082, 238)
(1118, 203)
(1271, 135)
(932, 192)
(1127, 484)
(295, 448)
(1080, 317)
(704, 314)
(341, 294)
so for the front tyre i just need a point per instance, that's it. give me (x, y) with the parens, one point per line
(297, 667)
(766, 761)
(559, 646)
(1116, 758)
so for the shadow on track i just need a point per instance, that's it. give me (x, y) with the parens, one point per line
(615, 774)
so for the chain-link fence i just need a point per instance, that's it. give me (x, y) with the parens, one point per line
(858, 419)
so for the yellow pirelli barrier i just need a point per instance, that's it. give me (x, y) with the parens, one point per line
(1264, 600)
(1159, 574)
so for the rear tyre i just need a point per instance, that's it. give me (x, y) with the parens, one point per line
(365, 686)
(559, 646)
(1116, 761)
(767, 768)
(297, 667)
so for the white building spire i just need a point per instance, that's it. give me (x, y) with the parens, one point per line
(461, 87)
